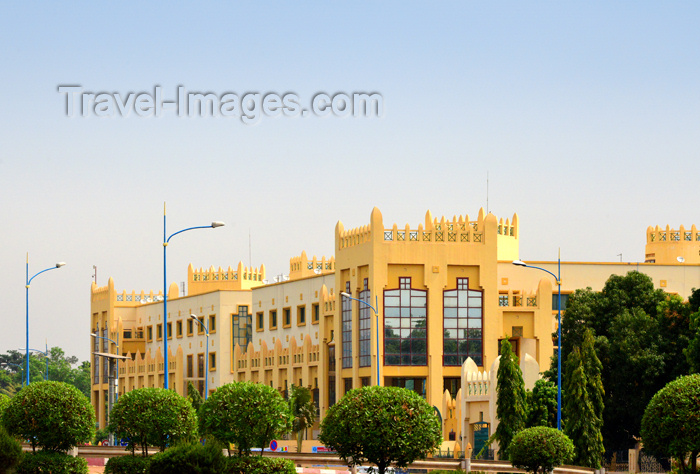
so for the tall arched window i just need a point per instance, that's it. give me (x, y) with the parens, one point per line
(405, 328)
(462, 324)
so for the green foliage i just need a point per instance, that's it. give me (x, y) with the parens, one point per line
(194, 396)
(692, 351)
(540, 449)
(643, 339)
(10, 451)
(61, 369)
(671, 422)
(259, 465)
(101, 435)
(52, 415)
(127, 465)
(381, 425)
(542, 404)
(153, 417)
(42, 462)
(582, 424)
(302, 410)
(510, 394)
(246, 414)
(193, 458)
(4, 401)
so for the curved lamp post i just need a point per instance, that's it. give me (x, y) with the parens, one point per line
(26, 286)
(206, 364)
(376, 313)
(166, 240)
(520, 263)
(117, 345)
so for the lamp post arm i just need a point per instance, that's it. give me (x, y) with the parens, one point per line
(185, 230)
(29, 281)
(544, 270)
(376, 310)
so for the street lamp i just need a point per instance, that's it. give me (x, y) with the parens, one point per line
(376, 313)
(214, 225)
(113, 394)
(26, 286)
(520, 263)
(206, 364)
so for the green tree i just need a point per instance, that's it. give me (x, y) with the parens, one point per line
(542, 404)
(671, 422)
(582, 425)
(52, 415)
(540, 449)
(381, 425)
(194, 396)
(302, 410)
(247, 414)
(153, 417)
(510, 395)
(640, 337)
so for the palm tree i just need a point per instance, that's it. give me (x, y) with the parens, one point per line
(303, 411)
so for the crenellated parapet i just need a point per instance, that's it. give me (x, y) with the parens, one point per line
(457, 230)
(302, 266)
(672, 246)
(212, 279)
(125, 299)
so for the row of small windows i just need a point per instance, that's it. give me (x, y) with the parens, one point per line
(287, 317)
(179, 328)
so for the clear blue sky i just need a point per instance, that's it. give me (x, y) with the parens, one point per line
(586, 116)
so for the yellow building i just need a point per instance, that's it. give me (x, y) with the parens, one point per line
(439, 297)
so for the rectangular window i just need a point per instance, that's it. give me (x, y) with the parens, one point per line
(190, 327)
(149, 333)
(331, 359)
(200, 366)
(287, 317)
(452, 385)
(315, 313)
(346, 321)
(415, 384)
(555, 301)
(212, 361)
(96, 374)
(405, 325)
(159, 332)
(178, 328)
(190, 366)
(212, 324)
(273, 319)
(347, 384)
(170, 330)
(242, 328)
(365, 325)
(331, 391)
(462, 324)
(365, 381)
(200, 326)
(259, 319)
(301, 316)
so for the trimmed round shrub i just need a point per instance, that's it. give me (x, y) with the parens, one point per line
(153, 417)
(10, 451)
(260, 465)
(246, 414)
(381, 425)
(671, 422)
(540, 449)
(55, 416)
(128, 465)
(42, 462)
(192, 458)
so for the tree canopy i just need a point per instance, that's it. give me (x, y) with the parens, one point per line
(381, 425)
(510, 394)
(540, 449)
(643, 339)
(671, 422)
